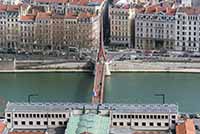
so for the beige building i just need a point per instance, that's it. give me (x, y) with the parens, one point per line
(119, 25)
(26, 28)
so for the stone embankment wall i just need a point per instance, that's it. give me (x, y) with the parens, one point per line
(153, 66)
(53, 65)
(7, 65)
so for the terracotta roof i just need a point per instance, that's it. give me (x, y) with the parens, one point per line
(186, 128)
(70, 15)
(189, 10)
(51, 1)
(43, 15)
(156, 9)
(75, 2)
(27, 18)
(26, 132)
(3, 8)
(9, 7)
(2, 127)
(85, 15)
(13, 7)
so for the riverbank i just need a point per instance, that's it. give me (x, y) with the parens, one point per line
(115, 67)
(90, 71)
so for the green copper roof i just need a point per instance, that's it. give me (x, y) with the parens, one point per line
(90, 123)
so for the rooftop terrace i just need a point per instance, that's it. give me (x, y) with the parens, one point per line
(62, 107)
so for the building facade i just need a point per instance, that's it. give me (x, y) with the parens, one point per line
(155, 28)
(53, 115)
(187, 29)
(119, 27)
(28, 28)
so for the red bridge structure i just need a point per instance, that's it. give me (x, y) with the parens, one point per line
(101, 70)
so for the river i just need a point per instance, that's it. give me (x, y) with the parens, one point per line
(180, 88)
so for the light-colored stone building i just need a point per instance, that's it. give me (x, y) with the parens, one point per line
(155, 28)
(143, 117)
(187, 29)
(119, 26)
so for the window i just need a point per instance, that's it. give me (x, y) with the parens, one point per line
(128, 124)
(159, 124)
(155, 117)
(158, 116)
(8, 120)
(173, 121)
(8, 115)
(15, 115)
(143, 123)
(63, 115)
(125, 116)
(143, 116)
(162, 116)
(173, 116)
(151, 116)
(60, 123)
(45, 123)
(129, 116)
(114, 123)
(23, 123)
(136, 116)
(114, 116)
(121, 116)
(15, 122)
(132, 116)
(151, 124)
(38, 116)
(136, 123)
(53, 123)
(121, 123)
(38, 122)
(140, 116)
(166, 117)
(30, 123)
(166, 124)
(147, 116)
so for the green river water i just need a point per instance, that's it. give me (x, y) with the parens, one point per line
(180, 88)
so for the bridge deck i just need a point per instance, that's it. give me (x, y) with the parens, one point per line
(98, 90)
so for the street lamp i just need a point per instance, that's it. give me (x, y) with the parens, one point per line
(31, 95)
(161, 95)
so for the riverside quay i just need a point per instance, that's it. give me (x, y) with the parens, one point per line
(42, 116)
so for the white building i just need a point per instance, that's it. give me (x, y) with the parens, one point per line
(189, 3)
(187, 29)
(155, 28)
(52, 115)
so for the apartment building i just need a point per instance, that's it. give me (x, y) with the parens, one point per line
(155, 28)
(12, 27)
(29, 28)
(119, 25)
(187, 29)
(64, 6)
(26, 28)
